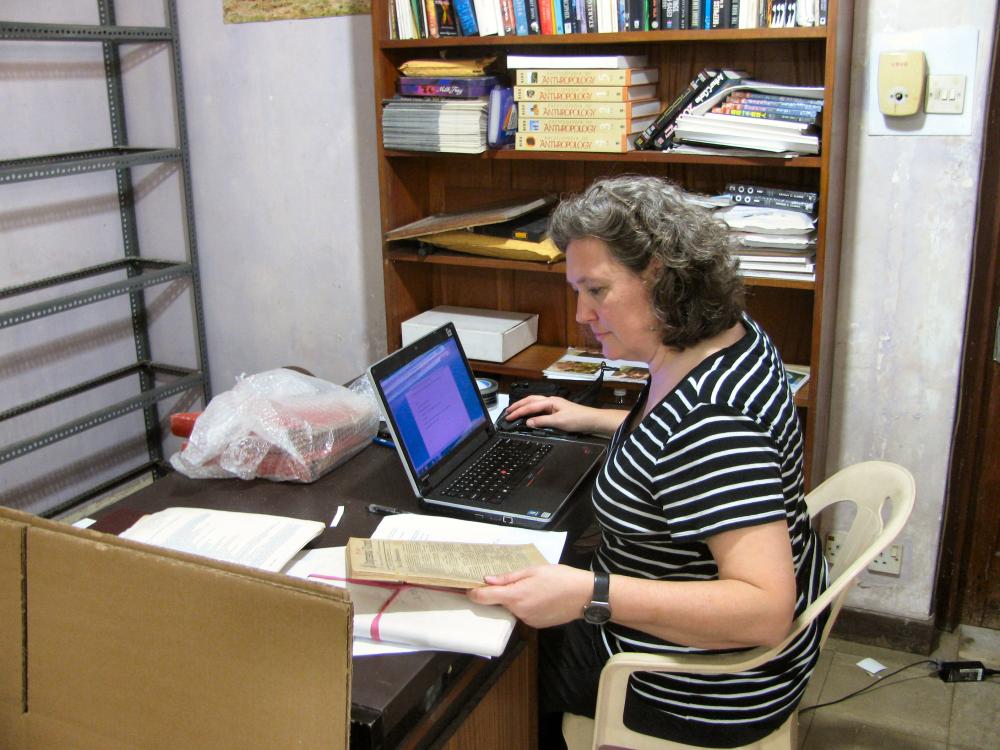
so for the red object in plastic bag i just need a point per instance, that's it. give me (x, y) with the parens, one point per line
(182, 423)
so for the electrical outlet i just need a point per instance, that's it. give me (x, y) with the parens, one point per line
(889, 562)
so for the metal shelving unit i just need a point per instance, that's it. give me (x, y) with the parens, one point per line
(157, 381)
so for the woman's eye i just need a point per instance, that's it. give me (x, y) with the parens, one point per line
(595, 291)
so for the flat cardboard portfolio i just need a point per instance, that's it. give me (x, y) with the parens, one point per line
(489, 335)
(124, 645)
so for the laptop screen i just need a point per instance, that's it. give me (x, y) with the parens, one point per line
(435, 405)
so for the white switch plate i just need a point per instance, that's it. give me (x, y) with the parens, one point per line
(945, 95)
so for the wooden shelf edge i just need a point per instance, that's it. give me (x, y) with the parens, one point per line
(799, 162)
(635, 37)
(446, 258)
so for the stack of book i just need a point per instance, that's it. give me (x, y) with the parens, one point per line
(774, 230)
(597, 103)
(757, 116)
(438, 114)
(423, 19)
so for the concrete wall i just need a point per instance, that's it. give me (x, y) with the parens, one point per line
(910, 212)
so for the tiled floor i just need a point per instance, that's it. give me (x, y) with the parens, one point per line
(913, 710)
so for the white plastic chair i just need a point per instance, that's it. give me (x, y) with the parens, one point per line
(869, 486)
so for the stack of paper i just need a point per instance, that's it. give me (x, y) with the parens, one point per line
(773, 243)
(432, 124)
(399, 618)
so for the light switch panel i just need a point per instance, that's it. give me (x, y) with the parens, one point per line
(945, 95)
(901, 82)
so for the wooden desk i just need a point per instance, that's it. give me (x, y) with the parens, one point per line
(398, 701)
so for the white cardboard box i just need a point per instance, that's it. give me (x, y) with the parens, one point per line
(489, 335)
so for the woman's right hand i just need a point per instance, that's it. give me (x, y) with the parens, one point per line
(558, 413)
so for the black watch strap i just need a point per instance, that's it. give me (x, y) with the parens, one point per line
(598, 611)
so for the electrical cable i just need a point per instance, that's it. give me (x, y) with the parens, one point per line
(878, 681)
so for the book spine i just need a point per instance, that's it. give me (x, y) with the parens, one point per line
(773, 202)
(507, 16)
(696, 15)
(531, 11)
(597, 143)
(580, 16)
(431, 15)
(420, 16)
(520, 18)
(590, 10)
(451, 88)
(823, 10)
(715, 15)
(670, 112)
(782, 100)
(573, 126)
(575, 93)
(445, 16)
(391, 15)
(575, 109)
(684, 13)
(708, 89)
(545, 17)
(557, 20)
(655, 14)
(768, 113)
(734, 13)
(735, 188)
(582, 77)
(466, 17)
(566, 12)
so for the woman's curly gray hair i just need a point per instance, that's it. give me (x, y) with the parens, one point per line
(695, 287)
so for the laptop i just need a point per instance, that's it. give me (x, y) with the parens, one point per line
(456, 460)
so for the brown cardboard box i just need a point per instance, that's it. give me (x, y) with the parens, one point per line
(131, 646)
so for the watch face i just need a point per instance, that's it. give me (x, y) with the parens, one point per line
(596, 614)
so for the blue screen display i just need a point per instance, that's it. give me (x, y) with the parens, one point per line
(434, 404)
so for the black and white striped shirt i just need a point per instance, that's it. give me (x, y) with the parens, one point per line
(722, 451)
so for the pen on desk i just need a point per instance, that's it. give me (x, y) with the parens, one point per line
(383, 510)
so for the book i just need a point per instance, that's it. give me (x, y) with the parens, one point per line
(447, 24)
(430, 13)
(255, 539)
(675, 107)
(467, 87)
(706, 87)
(594, 143)
(576, 61)
(586, 364)
(797, 376)
(703, 130)
(734, 188)
(620, 126)
(466, 17)
(586, 77)
(583, 93)
(779, 115)
(501, 117)
(520, 17)
(643, 108)
(486, 17)
(447, 564)
(532, 11)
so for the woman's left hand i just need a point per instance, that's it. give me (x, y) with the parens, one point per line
(541, 596)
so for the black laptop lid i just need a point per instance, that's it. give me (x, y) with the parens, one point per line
(433, 404)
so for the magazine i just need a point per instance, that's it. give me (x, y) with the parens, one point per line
(586, 364)
(797, 376)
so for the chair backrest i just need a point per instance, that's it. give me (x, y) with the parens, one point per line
(870, 486)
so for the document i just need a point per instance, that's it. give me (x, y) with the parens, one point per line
(451, 564)
(400, 618)
(254, 539)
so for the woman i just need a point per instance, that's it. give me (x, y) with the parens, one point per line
(704, 530)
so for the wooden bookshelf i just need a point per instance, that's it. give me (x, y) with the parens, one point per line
(799, 315)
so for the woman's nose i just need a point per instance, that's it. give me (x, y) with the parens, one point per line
(584, 312)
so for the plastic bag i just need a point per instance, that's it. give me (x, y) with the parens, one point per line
(279, 425)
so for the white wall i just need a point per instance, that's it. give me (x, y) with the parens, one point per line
(281, 126)
(909, 221)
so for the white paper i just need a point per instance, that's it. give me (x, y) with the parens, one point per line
(871, 666)
(254, 539)
(416, 527)
(411, 618)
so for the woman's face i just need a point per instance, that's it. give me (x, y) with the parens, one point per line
(613, 301)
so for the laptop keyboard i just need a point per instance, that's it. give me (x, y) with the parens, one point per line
(499, 470)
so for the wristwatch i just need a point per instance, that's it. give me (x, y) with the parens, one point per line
(598, 611)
